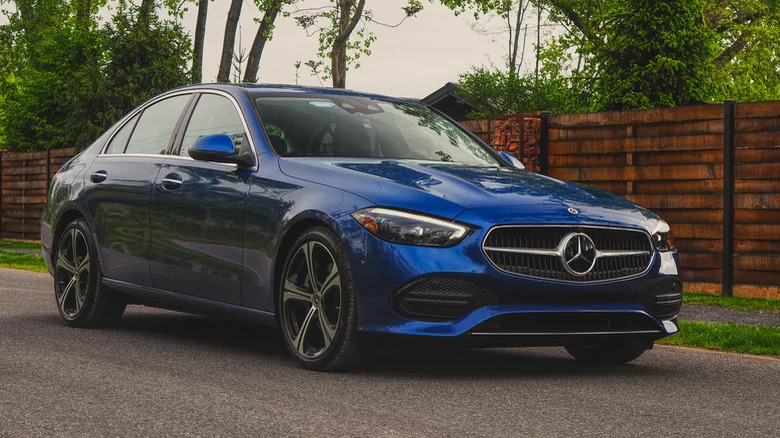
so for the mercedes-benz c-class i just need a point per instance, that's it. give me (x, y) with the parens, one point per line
(342, 217)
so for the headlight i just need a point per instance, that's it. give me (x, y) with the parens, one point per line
(412, 229)
(663, 237)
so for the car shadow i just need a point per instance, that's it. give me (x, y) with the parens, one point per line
(400, 360)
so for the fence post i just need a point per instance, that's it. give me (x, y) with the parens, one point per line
(48, 170)
(544, 138)
(729, 134)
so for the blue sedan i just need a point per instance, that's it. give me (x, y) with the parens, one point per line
(342, 217)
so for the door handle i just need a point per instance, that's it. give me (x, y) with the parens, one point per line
(171, 182)
(98, 176)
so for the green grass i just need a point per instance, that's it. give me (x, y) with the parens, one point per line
(22, 261)
(749, 339)
(13, 244)
(753, 304)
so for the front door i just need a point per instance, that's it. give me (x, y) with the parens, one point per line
(198, 211)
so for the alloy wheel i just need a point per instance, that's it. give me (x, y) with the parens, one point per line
(72, 273)
(311, 299)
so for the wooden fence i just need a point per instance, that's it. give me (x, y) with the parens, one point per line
(24, 181)
(711, 171)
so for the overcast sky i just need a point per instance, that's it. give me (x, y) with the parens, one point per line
(411, 60)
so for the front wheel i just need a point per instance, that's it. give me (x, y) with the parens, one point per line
(609, 354)
(317, 305)
(81, 298)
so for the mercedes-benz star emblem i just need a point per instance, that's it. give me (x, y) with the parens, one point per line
(573, 210)
(579, 254)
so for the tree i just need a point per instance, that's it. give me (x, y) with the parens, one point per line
(347, 21)
(145, 55)
(748, 34)
(343, 35)
(65, 78)
(264, 33)
(654, 54)
(200, 38)
(229, 41)
(50, 77)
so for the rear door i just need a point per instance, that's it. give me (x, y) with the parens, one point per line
(198, 209)
(119, 188)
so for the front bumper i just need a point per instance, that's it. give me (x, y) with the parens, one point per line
(381, 269)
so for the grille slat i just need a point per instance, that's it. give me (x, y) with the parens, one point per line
(551, 267)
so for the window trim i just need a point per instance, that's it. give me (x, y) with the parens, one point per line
(186, 114)
(139, 111)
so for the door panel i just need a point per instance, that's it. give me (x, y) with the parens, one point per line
(198, 229)
(198, 211)
(119, 206)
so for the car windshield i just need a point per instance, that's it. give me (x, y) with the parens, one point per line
(349, 126)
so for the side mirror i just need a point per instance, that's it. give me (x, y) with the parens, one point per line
(509, 158)
(218, 148)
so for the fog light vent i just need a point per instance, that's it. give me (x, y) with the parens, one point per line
(441, 298)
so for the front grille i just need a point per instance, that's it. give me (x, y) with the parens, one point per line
(539, 252)
(443, 298)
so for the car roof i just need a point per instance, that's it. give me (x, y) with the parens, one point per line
(258, 90)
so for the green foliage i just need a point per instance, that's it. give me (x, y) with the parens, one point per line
(749, 339)
(497, 92)
(749, 63)
(733, 303)
(145, 55)
(621, 54)
(65, 78)
(654, 54)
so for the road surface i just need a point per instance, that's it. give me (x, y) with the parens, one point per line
(167, 374)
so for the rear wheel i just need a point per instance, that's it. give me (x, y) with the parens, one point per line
(317, 306)
(81, 298)
(609, 354)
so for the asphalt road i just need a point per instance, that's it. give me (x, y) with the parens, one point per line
(162, 373)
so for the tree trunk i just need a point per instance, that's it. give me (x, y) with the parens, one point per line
(338, 55)
(263, 33)
(231, 24)
(146, 9)
(200, 37)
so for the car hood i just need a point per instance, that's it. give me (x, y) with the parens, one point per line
(477, 194)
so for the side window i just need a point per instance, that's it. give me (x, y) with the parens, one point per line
(213, 114)
(119, 141)
(156, 125)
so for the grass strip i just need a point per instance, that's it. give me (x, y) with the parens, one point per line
(733, 303)
(749, 339)
(14, 244)
(22, 261)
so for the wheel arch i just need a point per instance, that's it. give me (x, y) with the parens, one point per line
(295, 227)
(68, 215)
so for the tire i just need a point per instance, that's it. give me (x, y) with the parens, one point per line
(81, 298)
(610, 354)
(319, 323)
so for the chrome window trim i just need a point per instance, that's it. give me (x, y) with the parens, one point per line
(653, 251)
(179, 93)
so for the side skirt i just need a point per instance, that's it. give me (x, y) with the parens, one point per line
(172, 301)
